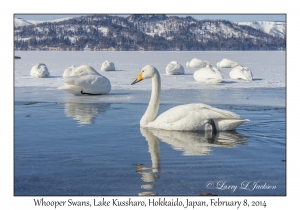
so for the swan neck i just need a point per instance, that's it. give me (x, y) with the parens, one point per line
(153, 106)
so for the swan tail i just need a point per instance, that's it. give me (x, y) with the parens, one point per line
(228, 124)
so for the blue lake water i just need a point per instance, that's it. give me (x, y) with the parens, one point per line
(99, 149)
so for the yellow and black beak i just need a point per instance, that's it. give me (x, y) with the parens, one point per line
(138, 79)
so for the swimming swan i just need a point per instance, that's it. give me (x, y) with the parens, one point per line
(84, 80)
(188, 117)
(241, 73)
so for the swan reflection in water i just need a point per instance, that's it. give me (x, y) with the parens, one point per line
(85, 113)
(190, 143)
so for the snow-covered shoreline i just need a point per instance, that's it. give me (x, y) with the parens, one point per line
(268, 68)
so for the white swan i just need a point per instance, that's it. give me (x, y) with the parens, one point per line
(84, 80)
(226, 63)
(196, 63)
(189, 117)
(108, 66)
(241, 72)
(209, 75)
(174, 68)
(39, 70)
(68, 71)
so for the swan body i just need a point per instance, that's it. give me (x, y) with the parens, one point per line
(84, 80)
(68, 71)
(108, 66)
(226, 63)
(188, 117)
(241, 72)
(209, 75)
(39, 70)
(174, 68)
(196, 63)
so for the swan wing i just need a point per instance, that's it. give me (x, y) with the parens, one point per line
(190, 117)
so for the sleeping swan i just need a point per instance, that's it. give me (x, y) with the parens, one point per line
(68, 71)
(196, 63)
(108, 66)
(84, 80)
(241, 72)
(174, 68)
(226, 63)
(39, 70)
(188, 117)
(209, 75)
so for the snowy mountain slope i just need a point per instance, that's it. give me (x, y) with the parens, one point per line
(277, 29)
(23, 22)
(164, 26)
(147, 32)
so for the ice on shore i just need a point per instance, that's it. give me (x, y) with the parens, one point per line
(268, 68)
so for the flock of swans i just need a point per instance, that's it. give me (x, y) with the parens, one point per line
(211, 75)
(208, 74)
(85, 80)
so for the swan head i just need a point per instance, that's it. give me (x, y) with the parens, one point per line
(146, 72)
